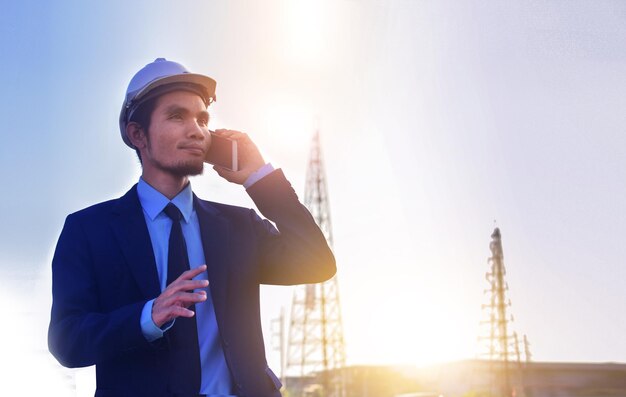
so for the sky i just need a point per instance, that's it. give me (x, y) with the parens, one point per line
(440, 120)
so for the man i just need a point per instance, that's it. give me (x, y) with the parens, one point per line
(160, 289)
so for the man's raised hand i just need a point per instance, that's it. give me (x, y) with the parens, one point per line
(178, 296)
(248, 157)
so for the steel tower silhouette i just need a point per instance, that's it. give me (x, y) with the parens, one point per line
(316, 350)
(501, 346)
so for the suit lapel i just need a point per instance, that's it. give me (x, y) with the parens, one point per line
(130, 229)
(215, 233)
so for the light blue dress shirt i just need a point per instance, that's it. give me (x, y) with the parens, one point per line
(216, 379)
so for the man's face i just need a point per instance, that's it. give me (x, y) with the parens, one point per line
(178, 138)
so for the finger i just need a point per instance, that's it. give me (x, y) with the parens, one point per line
(191, 273)
(183, 312)
(236, 134)
(225, 132)
(178, 311)
(221, 170)
(190, 285)
(240, 137)
(224, 173)
(184, 299)
(165, 314)
(187, 298)
(184, 285)
(166, 308)
(233, 134)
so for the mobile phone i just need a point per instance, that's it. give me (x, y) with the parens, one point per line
(222, 152)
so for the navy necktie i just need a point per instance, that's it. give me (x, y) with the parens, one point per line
(184, 360)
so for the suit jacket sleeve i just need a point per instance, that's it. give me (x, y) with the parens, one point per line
(296, 253)
(81, 333)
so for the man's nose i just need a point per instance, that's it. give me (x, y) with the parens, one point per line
(198, 131)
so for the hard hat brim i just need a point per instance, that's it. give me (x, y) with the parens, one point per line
(204, 81)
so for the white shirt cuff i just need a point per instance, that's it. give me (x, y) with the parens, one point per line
(149, 329)
(258, 175)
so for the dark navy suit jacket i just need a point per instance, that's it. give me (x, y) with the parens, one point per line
(104, 272)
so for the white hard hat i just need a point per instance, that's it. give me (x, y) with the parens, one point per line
(166, 76)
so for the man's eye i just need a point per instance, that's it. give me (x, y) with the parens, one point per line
(176, 116)
(203, 122)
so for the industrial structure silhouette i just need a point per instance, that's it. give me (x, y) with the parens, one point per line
(316, 354)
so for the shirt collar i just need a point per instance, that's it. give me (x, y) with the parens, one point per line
(153, 202)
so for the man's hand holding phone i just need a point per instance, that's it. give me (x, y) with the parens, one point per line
(249, 158)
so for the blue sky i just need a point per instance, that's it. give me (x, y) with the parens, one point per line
(437, 119)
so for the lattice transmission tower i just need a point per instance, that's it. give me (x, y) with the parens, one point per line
(316, 355)
(500, 344)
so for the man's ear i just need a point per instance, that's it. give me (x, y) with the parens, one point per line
(136, 135)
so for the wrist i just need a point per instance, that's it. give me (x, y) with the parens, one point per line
(259, 174)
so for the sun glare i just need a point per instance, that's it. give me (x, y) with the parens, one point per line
(307, 27)
(414, 326)
(289, 125)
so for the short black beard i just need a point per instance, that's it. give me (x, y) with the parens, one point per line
(183, 169)
(186, 169)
